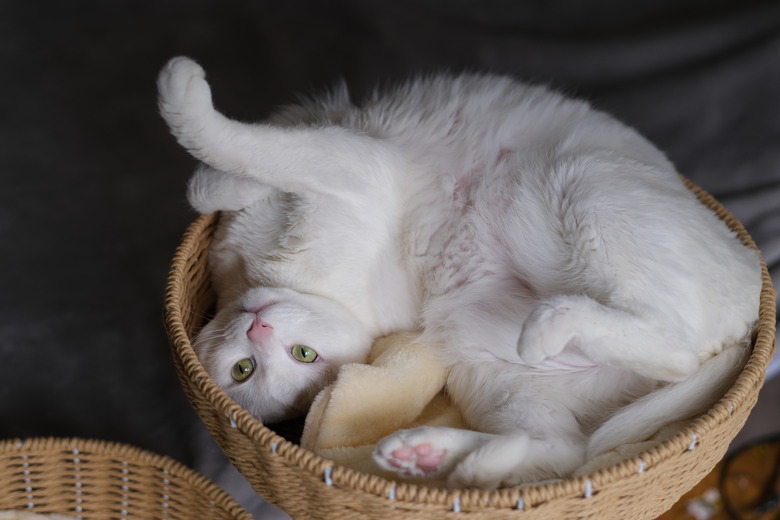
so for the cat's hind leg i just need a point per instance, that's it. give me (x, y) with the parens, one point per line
(517, 458)
(527, 431)
(470, 459)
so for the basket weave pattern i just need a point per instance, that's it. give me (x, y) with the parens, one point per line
(309, 486)
(98, 480)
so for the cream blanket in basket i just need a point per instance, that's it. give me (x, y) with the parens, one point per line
(402, 386)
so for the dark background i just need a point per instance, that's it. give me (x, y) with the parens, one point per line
(92, 186)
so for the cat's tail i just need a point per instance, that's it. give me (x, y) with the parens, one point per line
(294, 159)
(674, 402)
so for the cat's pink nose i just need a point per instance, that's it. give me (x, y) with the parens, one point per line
(259, 330)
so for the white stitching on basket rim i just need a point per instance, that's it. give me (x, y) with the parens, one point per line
(588, 489)
(641, 466)
(274, 447)
(456, 505)
(125, 489)
(27, 481)
(232, 422)
(694, 442)
(166, 489)
(25, 458)
(391, 493)
(327, 475)
(77, 474)
(520, 504)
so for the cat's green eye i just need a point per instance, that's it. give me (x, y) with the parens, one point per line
(303, 354)
(242, 370)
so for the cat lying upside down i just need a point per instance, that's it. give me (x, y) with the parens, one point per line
(580, 294)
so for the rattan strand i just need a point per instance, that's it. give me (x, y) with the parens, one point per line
(296, 480)
(93, 479)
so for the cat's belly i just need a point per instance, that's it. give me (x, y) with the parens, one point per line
(464, 257)
(475, 301)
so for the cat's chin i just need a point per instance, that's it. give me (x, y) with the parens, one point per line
(279, 413)
(271, 411)
(277, 417)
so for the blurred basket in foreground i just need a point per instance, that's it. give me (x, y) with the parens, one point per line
(97, 480)
(309, 486)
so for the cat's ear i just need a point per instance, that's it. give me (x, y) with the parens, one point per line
(294, 159)
(212, 190)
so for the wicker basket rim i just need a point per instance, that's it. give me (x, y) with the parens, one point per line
(697, 429)
(125, 453)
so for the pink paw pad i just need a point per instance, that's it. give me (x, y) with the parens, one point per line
(424, 456)
(403, 454)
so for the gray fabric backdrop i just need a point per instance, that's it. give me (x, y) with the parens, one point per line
(92, 193)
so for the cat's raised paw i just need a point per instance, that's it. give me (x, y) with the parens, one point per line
(183, 88)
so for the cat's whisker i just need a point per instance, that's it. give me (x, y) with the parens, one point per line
(209, 335)
(206, 317)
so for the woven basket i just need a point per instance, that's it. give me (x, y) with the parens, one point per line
(98, 480)
(309, 486)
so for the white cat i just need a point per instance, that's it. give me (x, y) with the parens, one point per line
(550, 254)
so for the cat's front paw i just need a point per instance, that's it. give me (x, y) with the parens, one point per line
(183, 88)
(546, 333)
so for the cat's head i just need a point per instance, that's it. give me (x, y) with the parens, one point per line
(273, 350)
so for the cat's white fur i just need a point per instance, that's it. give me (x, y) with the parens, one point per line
(581, 294)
